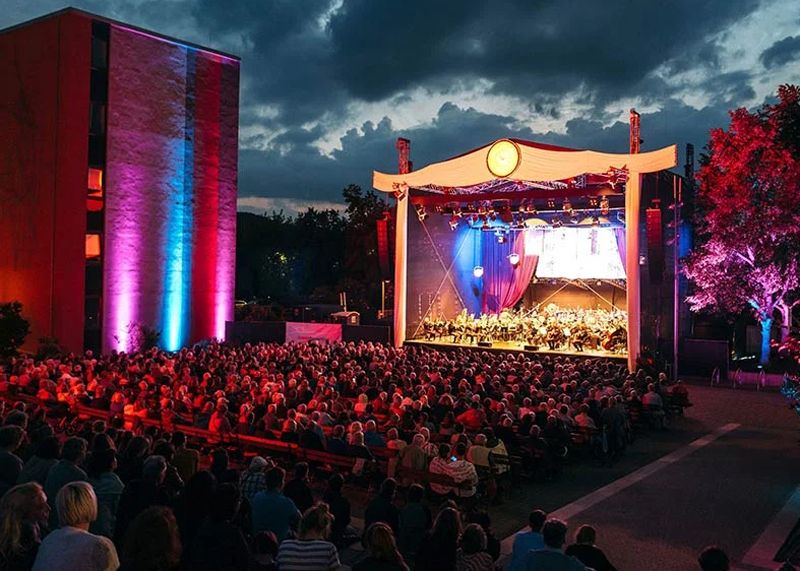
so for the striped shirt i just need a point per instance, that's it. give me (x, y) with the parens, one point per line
(311, 555)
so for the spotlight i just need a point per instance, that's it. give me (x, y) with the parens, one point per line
(557, 222)
(421, 214)
(453, 222)
(513, 257)
(457, 211)
(604, 206)
(501, 237)
(567, 205)
(477, 271)
(551, 203)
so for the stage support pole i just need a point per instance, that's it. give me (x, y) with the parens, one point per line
(400, 269)
(633, 269)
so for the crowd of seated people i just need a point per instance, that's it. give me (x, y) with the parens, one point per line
(442, 413)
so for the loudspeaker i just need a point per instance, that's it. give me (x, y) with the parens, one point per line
(531, 347)
(484, 343)
(655, 245)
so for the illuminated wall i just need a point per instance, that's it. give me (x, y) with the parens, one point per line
(44, 110)
(171, 163)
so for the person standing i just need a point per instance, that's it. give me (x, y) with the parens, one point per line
(527, 541)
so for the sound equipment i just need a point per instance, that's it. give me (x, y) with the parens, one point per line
(531, 347)
(484, 343)
(655, 245)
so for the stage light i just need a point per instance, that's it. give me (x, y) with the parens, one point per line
(421, 214)
(531, 209)
(501, 237)
(604, 206)
(477, 271)
(457, 211)
(454, 223)
(557, 222)
(503, 158)
(567, 205)
(551, 203)
(595, 221)
(514, 259)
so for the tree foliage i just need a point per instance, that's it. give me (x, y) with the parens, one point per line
(14, 328)
(312, 256)
(749, 215)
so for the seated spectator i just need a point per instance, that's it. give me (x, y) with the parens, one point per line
(265, 551)
(413, 457)
(463, 472)
(471, 554)
(382, 508)
(310, 550)
(219, 543)
(439, 546)
(38, 466)
(10, 464)
(713, 558)
(186, 459)
(527, 541)
(65, 471)
(583, 419)
(298, 490)
(108, 490)
(482, 518)
(382, 553)
(440, 465)
(473, 418)
(141, 494)
(358, 449)
(336, 444)
(153, 542)
(289, 432)
(71, 546)
(272, 511)
(372, 437)
(340, 510)
(192, 507)
(23, 519)
(414, 520)
(254, 480)
(552, 556)
(587, 552)
(310, 437)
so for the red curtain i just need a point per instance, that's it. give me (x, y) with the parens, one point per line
(505, 284)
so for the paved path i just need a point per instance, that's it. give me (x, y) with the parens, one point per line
(735, 486)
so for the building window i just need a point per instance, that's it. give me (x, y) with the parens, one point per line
(92, 246)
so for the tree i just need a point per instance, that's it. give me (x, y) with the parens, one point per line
(749, 217)
(13, 328)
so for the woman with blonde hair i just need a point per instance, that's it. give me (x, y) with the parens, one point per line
(382, 552)
(311, 550)
(23, 511)
(72, 546)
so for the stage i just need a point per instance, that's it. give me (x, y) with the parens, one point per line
(506, 346)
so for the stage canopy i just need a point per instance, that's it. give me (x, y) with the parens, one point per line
(513, 167)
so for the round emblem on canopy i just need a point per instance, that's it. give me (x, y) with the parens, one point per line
(503, 158)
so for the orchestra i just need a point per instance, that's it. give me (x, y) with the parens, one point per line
(551, 327)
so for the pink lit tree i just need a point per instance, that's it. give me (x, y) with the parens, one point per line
(749, 218)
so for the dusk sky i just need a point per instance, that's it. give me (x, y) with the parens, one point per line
(328, 85)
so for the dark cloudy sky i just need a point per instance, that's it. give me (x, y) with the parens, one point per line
(328, 85)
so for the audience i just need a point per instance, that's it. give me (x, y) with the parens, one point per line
(23, 518)
(71, 546)
(552, 556)
(153, 542)
(587, 552)
(311, 550)
(382, 552)
(713, 558)
(527, 541)
(170, 506)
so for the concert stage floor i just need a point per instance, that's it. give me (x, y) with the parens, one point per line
(517, 348)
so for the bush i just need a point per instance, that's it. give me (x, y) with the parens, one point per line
(13, 328)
